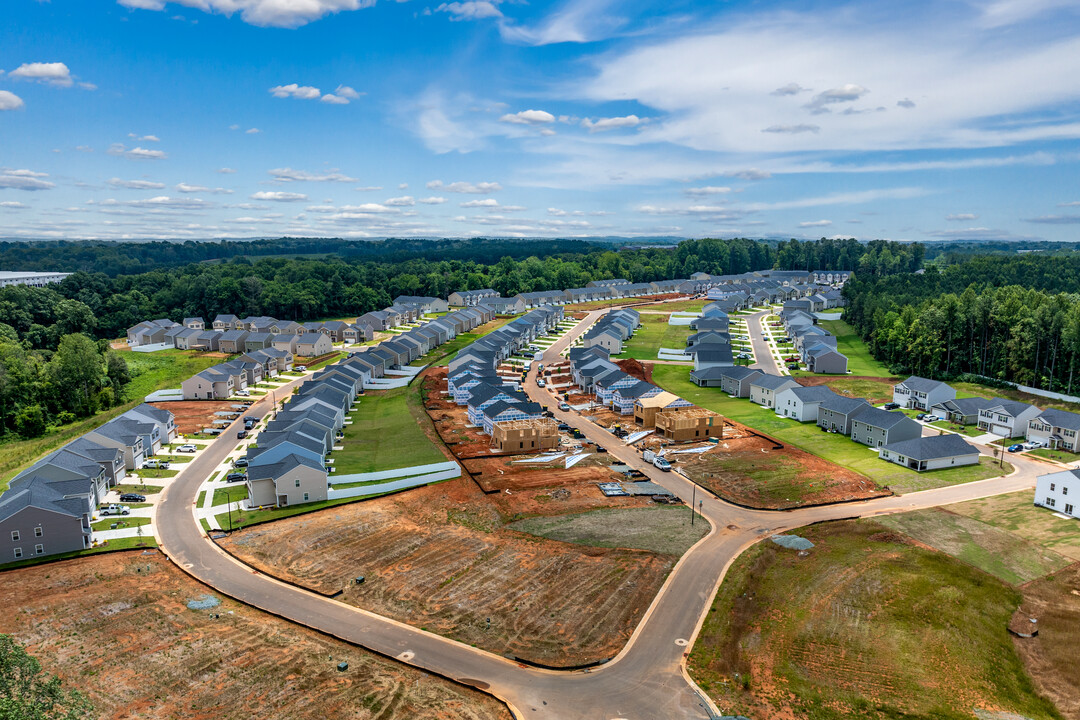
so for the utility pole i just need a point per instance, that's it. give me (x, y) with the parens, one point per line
(693, 503)
(228, 495)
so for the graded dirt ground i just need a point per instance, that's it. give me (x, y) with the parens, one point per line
(440, 558)
(660, 529)
(117, 626)
(865, 624)
(193, 415)
(747, 468)
(876, 390)
(1051, 657)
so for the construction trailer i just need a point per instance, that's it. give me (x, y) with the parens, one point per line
(688, 424)
(524, 436)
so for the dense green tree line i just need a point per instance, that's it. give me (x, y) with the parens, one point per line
(43, 387)
(878, 258)
(1015, 319)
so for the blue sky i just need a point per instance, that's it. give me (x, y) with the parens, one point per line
(372, 118)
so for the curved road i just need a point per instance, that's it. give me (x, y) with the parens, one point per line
(646, 681)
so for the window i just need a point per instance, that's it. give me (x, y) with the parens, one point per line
(1050, 502)
(297, 482)
(1064, 490)
(14, 536)
(1069, 509)
(37, 531)
(305, 497)
(1052, 487)
(18, 553)
(39, 549)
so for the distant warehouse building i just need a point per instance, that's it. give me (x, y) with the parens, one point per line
(33, 279)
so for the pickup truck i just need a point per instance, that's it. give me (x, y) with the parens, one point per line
(115, 509)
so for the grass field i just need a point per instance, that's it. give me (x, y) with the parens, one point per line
(968, 430)
(248, 518)
(1060, 455)
(1015, 513)
(233, 493)
(989, 548)
(860, 362)
(876, 391)
(137, 488)
(149, 372)
(385, 434)
(807, 436)
(865, 624)
(661, 529)
(120, 521)
(654, 334)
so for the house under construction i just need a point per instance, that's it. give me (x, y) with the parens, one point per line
(688, 424)
(523, 436)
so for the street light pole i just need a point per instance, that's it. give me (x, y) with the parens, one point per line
(228, 495)
(693, 503)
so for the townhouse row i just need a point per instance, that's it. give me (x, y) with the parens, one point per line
(49, 507)
(816, 347)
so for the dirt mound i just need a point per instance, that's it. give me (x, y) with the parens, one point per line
(634, 367)
(121, 621)
(440, 558)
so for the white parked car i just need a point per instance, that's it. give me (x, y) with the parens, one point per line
(187, 448)
(242, 393)
(1031, 445)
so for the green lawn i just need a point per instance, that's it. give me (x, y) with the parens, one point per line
(968, 430)
(385, 434)
(860, 362)
(202, 497)
(121, 521)
(156, 473)
(112, 546)
(975, 390)
(1060, 455)
(233, 493)
(137, 488)
(807, 436)
(654, 334)
(873, 390)
(863, 625)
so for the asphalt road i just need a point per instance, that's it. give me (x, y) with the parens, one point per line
(646, 681)
(763, 357)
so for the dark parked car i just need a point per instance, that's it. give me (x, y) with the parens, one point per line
(892, 406)
(235, 477)
(240, 462)
(132, 497)
(1012, 448)
(242, 434)
(920, 416)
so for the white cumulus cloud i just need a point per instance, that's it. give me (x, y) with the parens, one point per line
(432, 200)
(815, 223)
(483, 188)
(611, 123)
(272, 13)
(289, 175)
(302, 92)
(278, 196)
(403, 201)
(10, 101)
(53, 73)
(528, 117)
(136, 184)
(24, 180)
(485, 203)
(470, 10)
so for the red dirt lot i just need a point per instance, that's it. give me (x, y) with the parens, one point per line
(642, 371)
(747, 469)
(194, 415)
(498, 474)
(439, 558)
(117, 626)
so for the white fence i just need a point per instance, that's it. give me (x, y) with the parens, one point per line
(682, 318)
(410, 477)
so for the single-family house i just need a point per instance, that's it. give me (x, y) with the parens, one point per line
(293, 480)
(919, 393)
(1007, 418)
(801, 403)
(962, 411)
(764, 389)
(836, 413)
(876, 427)
(1055, 491)
(935, 452)
(313, 344)
(1056, 429)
